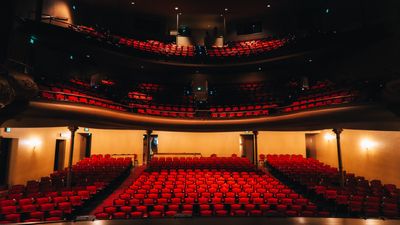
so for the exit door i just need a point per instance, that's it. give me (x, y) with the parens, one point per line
(311, 149)
(247, 145)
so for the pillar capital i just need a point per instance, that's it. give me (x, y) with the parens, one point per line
(337, 131)
(73, 129)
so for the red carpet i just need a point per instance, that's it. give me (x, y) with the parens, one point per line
(135, 173)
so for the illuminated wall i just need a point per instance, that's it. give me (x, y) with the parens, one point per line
(60, 9)
(222, 144)
(372, 154)
(281, 143)
(34, 152)
(32, 155)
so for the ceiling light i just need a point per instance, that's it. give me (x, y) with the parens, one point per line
(132, 3)
(226, 9)
(268, 5)
(176, 8)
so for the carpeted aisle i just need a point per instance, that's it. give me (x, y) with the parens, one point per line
(135, 173)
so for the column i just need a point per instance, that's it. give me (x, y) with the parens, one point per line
(255, 135)
(73, 130)
(338, 131)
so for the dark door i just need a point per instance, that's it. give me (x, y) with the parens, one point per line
(5, 152)
(247, 141)
(148, 152)
(59, 156)
(311, 149)
(85, 145)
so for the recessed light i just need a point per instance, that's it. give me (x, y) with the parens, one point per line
(132, 3)
(176, 8)
(268, 5)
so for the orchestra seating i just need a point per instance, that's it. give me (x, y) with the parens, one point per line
(358, 197)
(207, 186)
(50, 200)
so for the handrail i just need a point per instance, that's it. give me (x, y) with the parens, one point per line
(127, 107)
(178, 153)
(86, 96)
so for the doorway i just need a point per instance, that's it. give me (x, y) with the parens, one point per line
(85, 148)
(59, 155)
(5, 152)
(247, 145)
(311, 149)
(153, 147)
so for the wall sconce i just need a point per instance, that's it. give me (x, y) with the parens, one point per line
(367, 144)
(65, 135)
(33, 143)
(329, 137)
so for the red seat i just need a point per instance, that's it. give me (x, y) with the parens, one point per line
(205, 213)
(155, 214)
(119, 215)
(136, 214)
(14, 218)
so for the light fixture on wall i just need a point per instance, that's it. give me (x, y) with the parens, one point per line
(32, 143)
(367, 144)
(329, 137)
(65, 135)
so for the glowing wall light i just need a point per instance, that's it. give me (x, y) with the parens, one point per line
(329, 136)
(367, 144)
(32, 143)
(65, 135)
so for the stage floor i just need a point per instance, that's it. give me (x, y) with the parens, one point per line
(240, 221)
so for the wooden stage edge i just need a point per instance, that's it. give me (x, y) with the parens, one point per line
(239, 221)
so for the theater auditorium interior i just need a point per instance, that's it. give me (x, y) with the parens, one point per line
(200, 112)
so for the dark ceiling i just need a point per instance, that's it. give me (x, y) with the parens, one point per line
(166, 8)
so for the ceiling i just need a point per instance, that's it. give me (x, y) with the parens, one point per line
(166, 8)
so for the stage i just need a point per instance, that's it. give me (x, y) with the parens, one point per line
(239, 221)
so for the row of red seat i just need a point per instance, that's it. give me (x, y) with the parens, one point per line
(63, 97)
(232, 163)
(238, 49)
(50, 200)
(247, 48)
(206, 192)
(358, 197)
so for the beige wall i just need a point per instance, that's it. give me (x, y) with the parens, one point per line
(380, 161)
(282, 143)
(33, 154)
(118, 142)
(222, 144)
(27, 162)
